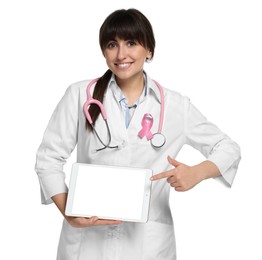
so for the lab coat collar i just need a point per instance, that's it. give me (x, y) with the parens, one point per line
(150, 86)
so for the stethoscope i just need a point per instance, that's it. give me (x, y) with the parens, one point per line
(157, 139)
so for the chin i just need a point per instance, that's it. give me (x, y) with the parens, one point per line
(125, 75)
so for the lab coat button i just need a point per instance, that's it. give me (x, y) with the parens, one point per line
(122, 145)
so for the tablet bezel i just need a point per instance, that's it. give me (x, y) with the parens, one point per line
(146, 193)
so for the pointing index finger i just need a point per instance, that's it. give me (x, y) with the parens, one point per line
(161, 175)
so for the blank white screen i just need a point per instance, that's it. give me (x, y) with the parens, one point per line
(109, 192)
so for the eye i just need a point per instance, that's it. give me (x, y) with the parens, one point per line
(131, 43)
(111, 45)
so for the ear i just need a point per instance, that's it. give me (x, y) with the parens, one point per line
(148, 55)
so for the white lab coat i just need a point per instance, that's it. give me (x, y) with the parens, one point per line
(183, 124)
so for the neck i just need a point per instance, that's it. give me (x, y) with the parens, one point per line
(132, 87)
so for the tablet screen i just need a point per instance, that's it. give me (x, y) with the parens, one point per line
(109, 192)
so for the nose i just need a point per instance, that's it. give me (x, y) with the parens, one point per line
(122, 52)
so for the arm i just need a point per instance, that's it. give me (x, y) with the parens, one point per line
(222, 153)
(59, 140)
(215, 145)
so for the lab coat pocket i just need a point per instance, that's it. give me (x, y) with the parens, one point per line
(159, 241)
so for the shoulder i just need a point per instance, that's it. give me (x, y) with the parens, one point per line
(78, 86)
(176, 97)
(175, 101)
(75, 92)
(169, 95)
(173, 94)
(78, 89)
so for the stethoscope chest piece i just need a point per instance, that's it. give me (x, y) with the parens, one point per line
(158, 140)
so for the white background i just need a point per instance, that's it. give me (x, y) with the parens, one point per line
(208, 50)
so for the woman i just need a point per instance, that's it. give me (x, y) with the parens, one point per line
(128, 94)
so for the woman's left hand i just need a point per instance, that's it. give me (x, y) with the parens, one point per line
(182, 177)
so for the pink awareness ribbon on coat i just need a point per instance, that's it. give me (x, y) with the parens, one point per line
(146, 123)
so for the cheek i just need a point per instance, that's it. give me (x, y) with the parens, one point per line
(142, 60)
(142, 56)
(108, 61)
(108, 56)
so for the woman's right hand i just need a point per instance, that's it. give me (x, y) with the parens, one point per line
(80, 222)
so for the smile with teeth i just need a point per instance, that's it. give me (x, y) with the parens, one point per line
(123, 65)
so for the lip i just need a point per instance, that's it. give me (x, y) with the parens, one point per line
(123, 65)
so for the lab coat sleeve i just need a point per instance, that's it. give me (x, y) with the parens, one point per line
(58, 142)
(216, 146)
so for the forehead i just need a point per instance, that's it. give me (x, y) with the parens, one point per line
(122, 32)
(118, 36)
(118, 39)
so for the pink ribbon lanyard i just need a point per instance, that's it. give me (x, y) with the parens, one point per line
(146, 123)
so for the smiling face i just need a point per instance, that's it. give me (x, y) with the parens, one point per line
(126, 39)
(126, 58)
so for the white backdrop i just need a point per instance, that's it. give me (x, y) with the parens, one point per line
(207, 50)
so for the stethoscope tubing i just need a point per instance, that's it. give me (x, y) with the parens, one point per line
(161, 118)
(90, 100)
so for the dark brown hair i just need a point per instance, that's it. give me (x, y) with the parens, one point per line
(128, 24)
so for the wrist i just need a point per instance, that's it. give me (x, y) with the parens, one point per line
(199, 173)
(206, 170)
(60, 202)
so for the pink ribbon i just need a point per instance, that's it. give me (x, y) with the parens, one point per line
(146, 123)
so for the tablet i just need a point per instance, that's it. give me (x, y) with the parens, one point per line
(109, 192)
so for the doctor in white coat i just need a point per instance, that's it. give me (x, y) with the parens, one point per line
(128, 94)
